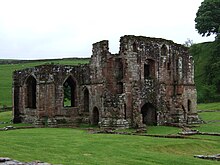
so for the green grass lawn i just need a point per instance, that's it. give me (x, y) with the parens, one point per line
(76, 146)
(6, 71)
(209, 106)
(5, 116)
(73, 146)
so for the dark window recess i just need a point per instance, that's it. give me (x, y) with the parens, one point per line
(95, 115)
(189, 104)
(149, 69)
(120, 88)
(164, 50)
(69, 89)
(149, 114)
(31, 92)
(86, 100)
(119, 69)
(146, 71)
(125, 111)
(135, 47)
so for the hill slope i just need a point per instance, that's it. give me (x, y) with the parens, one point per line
(207, 70)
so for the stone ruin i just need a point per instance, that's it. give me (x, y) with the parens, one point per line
(149, 82)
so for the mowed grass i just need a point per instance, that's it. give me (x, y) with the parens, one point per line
(73, 146)
(209, 106)
(76, 146)
(211, 117)
(6, 71)
(5, 116)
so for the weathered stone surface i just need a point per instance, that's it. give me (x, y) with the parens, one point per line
(209, 157)
(9, 161)
(149, 82)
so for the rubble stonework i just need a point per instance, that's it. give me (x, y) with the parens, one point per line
(149, 82)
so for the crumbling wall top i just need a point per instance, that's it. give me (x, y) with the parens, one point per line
(142, 39)
(102, 46)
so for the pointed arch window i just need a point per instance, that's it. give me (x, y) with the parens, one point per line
(31, 92)
(69, 89)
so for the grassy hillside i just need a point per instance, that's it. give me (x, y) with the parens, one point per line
(207, 71)
(7, 69)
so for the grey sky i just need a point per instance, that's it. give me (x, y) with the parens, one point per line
(36, 29)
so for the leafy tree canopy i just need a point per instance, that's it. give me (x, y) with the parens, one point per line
(208, 18)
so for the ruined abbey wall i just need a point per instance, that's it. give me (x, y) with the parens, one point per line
(149, 82)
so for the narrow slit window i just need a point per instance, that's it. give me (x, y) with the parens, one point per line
(86, 100)
(146, 71)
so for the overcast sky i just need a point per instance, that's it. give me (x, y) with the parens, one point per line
(36, 29)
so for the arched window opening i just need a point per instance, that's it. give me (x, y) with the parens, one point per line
(31, 92)
(135, 47)
(149, 114)
(86, 100)
(164, 50)
(69, 89)
(95, 116)
(149, 69)
(189, 105)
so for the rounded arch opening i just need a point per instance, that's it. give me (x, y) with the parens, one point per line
(95, 116)
(149, 114)
(69, 92)
(31, 92)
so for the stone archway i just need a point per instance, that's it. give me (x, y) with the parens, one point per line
(149, 114)
(95, 116)
(69, 92)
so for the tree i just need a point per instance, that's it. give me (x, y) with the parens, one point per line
(208, 18)
(188, 43)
